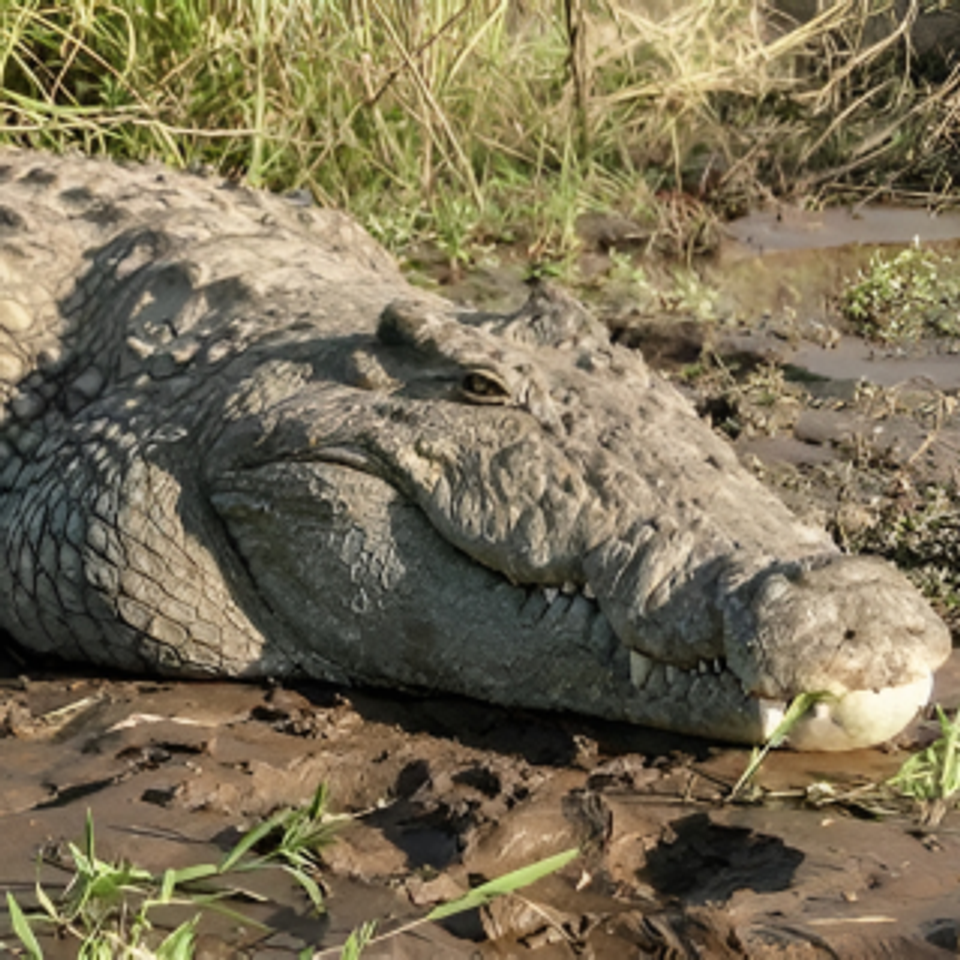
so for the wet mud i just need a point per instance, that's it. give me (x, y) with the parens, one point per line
(446, 792)
(816, 860)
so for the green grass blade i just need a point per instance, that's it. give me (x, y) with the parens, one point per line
(88, 837)
(48, 905)
(167, 885)
(357, 940)
(84, 865)
(794, 713)
(509, 882)
(174, 878)
(22, 928)
(213, 902)
(310, 886)
(250, 839)
(318, 805)
(179, 944)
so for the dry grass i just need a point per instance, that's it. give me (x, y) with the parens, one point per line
(458, 122)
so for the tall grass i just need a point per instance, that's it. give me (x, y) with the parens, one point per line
(460, 120)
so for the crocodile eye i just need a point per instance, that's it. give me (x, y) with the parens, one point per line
(479, 386)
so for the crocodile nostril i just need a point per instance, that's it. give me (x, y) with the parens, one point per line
(849, 633)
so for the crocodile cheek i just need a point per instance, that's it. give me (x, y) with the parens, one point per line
(374, 594)
(861, 718)
(509, 498)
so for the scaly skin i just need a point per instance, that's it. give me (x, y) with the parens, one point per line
(235, 442)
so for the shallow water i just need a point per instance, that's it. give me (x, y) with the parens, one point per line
(788, 228)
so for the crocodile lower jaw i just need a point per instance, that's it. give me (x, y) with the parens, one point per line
(851, 721)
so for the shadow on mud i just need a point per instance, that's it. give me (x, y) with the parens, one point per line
(541, 738)
(703, 862)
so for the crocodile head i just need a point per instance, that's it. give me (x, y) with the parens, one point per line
(513, 509)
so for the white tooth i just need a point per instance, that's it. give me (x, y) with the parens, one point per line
(671, 673)
(569, 588)
(588, 592)
(550, 594)
(717, 666)
(702, 666)
(640, 667)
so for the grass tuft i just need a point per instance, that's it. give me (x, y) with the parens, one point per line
(904, 297)
(107, 906)
(932, 776)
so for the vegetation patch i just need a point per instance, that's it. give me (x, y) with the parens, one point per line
(905, 297)
(931, 777)
(923, 540)
(109, 908)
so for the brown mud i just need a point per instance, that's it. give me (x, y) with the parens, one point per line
(815, 861)
(446, 792)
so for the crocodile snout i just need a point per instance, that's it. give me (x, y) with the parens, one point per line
(851, 628)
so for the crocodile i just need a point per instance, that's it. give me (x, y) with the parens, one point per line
(235, 442)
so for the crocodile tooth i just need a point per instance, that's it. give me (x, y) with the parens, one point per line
(702, 666)
(550, 594)
(671, 674)
(569, 588)
(588, 592)
(718, 666)
(640, 668)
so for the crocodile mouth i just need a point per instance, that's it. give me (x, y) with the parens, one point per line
(845, 721)
(857, 719)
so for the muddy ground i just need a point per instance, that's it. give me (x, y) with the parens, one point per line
(447, 792)
(815, 862)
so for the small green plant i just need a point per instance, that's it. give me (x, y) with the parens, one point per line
(912, 295)
(107, 905)
(932, 776)
(688, 295)
(94, 910)
(798, 709)
(923, 539)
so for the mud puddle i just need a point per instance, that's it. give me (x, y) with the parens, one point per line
(789, 228)
(853, 359)
(447, 792)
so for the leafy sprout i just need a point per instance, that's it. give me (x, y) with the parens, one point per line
(798, 709)
(904, 297)
(107, 906)
(932, 776)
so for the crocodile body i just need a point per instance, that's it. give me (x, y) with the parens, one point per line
(235, 442)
